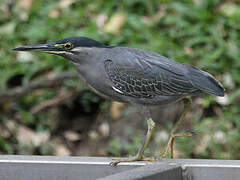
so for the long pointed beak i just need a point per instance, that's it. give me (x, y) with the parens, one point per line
(50, 48)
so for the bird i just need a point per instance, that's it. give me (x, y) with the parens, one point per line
(139, 77)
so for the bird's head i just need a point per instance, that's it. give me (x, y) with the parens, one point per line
(71, 48)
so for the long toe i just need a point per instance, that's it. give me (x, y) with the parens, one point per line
(164, 153)
(131, 159)
(170, 143)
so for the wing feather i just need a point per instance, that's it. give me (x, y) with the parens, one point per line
(148, 80)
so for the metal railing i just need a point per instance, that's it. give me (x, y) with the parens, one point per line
(17, 167)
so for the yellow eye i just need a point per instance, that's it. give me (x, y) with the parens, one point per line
(68, 46)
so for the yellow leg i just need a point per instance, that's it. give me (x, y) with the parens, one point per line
(139, 156)
(187, 105)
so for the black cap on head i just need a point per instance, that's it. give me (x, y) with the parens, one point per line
(63, 45)
(81, 42)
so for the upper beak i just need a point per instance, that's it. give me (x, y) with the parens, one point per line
(51, 48)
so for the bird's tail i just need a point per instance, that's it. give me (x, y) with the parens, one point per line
(206, 82)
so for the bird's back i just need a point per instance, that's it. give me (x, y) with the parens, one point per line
(144, 74)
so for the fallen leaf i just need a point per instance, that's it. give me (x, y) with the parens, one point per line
(116, 109)
(230, 9)
(220, 137)
(104, 129)
(41, 138)
(203, 144)
(11, 125)
(59, 148)
(101, 20)
(156, 17)
(22, 9)
(188, 50)
(54, 13)
(114, 25)
(27, 136)
(24, 4)
(72, 135)
(24, 56)
(65, 3)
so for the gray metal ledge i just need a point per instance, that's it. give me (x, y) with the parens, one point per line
(14, 167)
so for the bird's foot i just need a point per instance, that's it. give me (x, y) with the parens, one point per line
(171, 143)
(131, 159)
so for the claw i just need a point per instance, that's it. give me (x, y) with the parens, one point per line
(114, 163)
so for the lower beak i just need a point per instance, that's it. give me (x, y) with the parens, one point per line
(51, 48)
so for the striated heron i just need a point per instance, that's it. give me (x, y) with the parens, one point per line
(139, 77)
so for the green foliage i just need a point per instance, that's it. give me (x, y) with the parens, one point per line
(117, 146)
